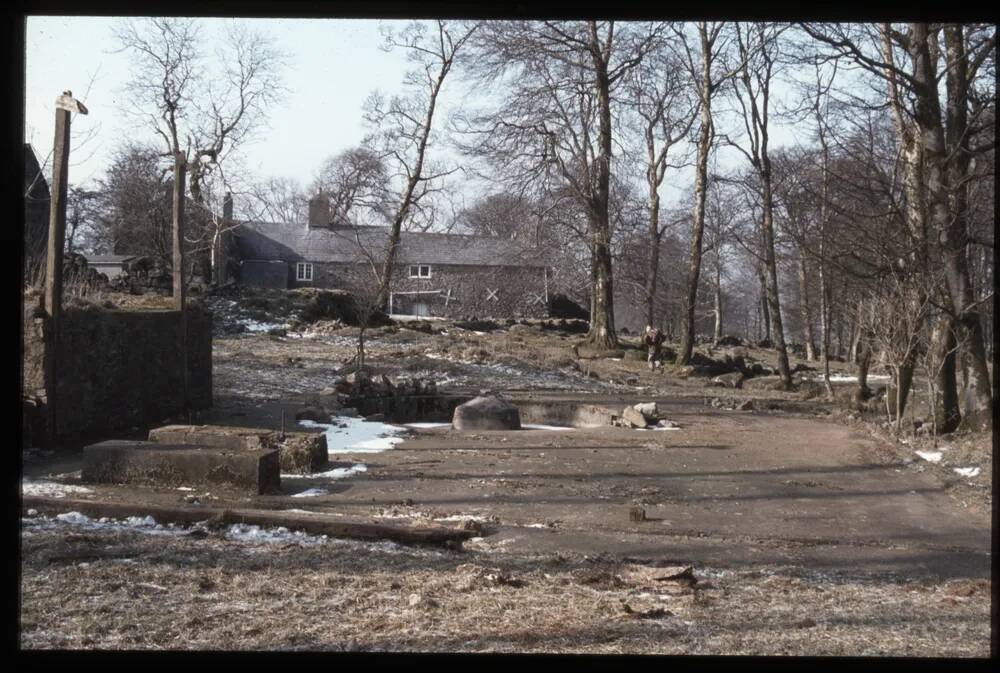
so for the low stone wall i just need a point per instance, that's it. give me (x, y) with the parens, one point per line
(115, 369)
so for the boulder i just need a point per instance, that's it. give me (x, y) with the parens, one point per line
(649, 411)
(313, 414)
(731, 380)
(634, 417)
(486, 413)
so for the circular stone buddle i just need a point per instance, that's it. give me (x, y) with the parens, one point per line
(486, 413)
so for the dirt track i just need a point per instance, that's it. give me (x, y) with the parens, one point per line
(814, 540)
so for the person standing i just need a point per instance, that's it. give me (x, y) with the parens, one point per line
(654, 339)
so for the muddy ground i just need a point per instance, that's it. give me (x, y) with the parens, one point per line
(806, 533)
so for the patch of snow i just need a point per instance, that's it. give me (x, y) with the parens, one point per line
(536, 426)
(427, 425)
(358, 435)
(242, 532)
(51, 489)
(851, 378)
(73, 517)
(930, 456)
(311, 492)
(184, 488)
(141, 521)
(335, 473)
(141, 524)
(967, 471)
(462, 517)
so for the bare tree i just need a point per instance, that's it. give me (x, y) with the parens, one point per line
(662, 98)
(757, 45)
(937, 152)
(403, 124)
(555, 124)
(710, 70)
(356, 181)
(201, 112)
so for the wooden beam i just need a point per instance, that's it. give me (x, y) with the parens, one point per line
(314, 524)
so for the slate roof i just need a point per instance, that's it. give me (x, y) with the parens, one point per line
(297, 242)
(108, 259)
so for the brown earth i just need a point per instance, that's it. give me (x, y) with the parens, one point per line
(808, 534)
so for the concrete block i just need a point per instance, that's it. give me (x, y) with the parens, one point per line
(299, 452)
(154, 464)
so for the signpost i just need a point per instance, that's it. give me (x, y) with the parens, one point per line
(65, 106)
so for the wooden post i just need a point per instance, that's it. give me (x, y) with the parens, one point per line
(180, 174)
(65, 105)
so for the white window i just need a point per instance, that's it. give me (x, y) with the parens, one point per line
(304, 271)
(420, 271)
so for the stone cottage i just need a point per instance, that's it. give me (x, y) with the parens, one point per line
(36, 215)
(443, 275)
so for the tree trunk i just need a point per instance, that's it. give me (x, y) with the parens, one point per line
(765, 312)
(951, 189)
(774, 304)
(946, 409)
(602, 317)
(602, 320)
(806, 308)
(705, 134)
(653, 267)
(718, 296)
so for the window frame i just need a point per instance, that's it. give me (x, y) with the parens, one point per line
(419, 275)
(300, 268)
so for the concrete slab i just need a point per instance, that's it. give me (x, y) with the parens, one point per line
(135, 462)
(299, 452)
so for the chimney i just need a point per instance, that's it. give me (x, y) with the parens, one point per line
(319, 211)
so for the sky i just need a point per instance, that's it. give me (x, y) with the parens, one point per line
(333, 65)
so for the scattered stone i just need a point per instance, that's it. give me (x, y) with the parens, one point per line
(634, 417)
(486, 413)
(314, 414)
(649, 576)
(649, 410)
(664, 423)
(745, 405)
(652, 613)
(731, 380)
(416, 600)
(636, 514)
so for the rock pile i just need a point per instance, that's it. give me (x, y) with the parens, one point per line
(487, 412)
(643, 415)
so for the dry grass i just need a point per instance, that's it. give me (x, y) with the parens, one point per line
(182, 593)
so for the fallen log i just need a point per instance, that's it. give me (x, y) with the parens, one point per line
(313, 524)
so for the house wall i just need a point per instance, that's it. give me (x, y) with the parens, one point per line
(519, 291)
(116, 369)
(272, 274)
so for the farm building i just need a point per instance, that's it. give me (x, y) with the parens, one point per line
(444, 275)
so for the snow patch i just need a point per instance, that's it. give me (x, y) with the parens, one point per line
(930, 456)
(242, 532)
(335, 473)
(311, 492)
(849, 378)
(51, 489)
(537, 426)
(428, 425)
(357, 435)
(967, 471)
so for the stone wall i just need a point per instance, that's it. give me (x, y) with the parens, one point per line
(475, 291)
(116, 369)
